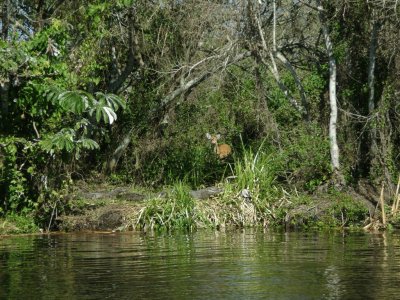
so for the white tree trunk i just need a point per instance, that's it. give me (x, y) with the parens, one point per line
(334, 148)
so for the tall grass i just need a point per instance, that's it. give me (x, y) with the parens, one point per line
(254, 172)
(174, 211)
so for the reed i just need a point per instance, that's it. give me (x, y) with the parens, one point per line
(382, 203)
(396, 199)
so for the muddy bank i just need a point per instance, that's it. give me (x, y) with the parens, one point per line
(116, 209)
(122, 208)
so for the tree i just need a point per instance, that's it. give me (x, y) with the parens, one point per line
(334, 148)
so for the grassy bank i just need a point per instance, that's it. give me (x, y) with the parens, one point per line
(18, 224)
(250, 196)
(178, 210)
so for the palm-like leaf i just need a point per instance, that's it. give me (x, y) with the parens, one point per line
(63, 140)
(87, 143)
(111, 100)
(52, 94)
(76, 101)
(105, 113)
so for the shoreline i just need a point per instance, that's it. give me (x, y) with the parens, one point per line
(119, 209)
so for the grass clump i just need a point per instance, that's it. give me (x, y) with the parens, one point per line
(250, 196)
(174, 211)
(254, 187)
(249, 199)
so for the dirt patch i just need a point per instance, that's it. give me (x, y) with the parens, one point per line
(310, 211)
(112, 216)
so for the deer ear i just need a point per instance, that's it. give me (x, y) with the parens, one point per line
(208, 136)
(218, 136)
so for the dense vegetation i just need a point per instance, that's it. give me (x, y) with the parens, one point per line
(306, 93)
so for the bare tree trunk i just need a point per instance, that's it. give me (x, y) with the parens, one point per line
(371, 83)
(134, 59)
(122, 146)
(297, 80)
(272, 67)
(263, 106)
(334, 148)
(288, 65)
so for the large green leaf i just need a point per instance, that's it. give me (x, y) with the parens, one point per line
(62, 140)
(111, 100)
(105, 113)
(76, 101)
(87, 143)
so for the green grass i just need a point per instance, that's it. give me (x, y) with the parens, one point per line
(174, 211)
(17, 224)
(254, 171)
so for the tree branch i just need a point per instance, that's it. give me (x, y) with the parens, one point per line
(199, 79)
(135, 59)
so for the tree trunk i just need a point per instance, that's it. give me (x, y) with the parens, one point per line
(5, 18)
(134, 57)
(112, 163)
(371, 84)
(4, 89)
(334, 148)
(297, 80)
(272, 67)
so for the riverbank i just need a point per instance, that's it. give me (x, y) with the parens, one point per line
(124, 208)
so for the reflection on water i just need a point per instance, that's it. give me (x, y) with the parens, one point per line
(203, 265)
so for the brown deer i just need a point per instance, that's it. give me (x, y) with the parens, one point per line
(222, 150)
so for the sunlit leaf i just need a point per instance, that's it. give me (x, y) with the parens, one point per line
(73, 101)
(111, 115)
(111, 100)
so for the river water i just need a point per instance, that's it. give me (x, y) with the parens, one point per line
(244, 264)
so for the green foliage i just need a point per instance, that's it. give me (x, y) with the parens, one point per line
(305, 156)
(349, 212)
(67, 140)
(56, 110)
(331, 210)
(104, 106)
(314, 84)
(51, 203)
(63, 121)
(80, 102)
(17, 224)
(14, 189)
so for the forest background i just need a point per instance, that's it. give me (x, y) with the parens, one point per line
(124, 92)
